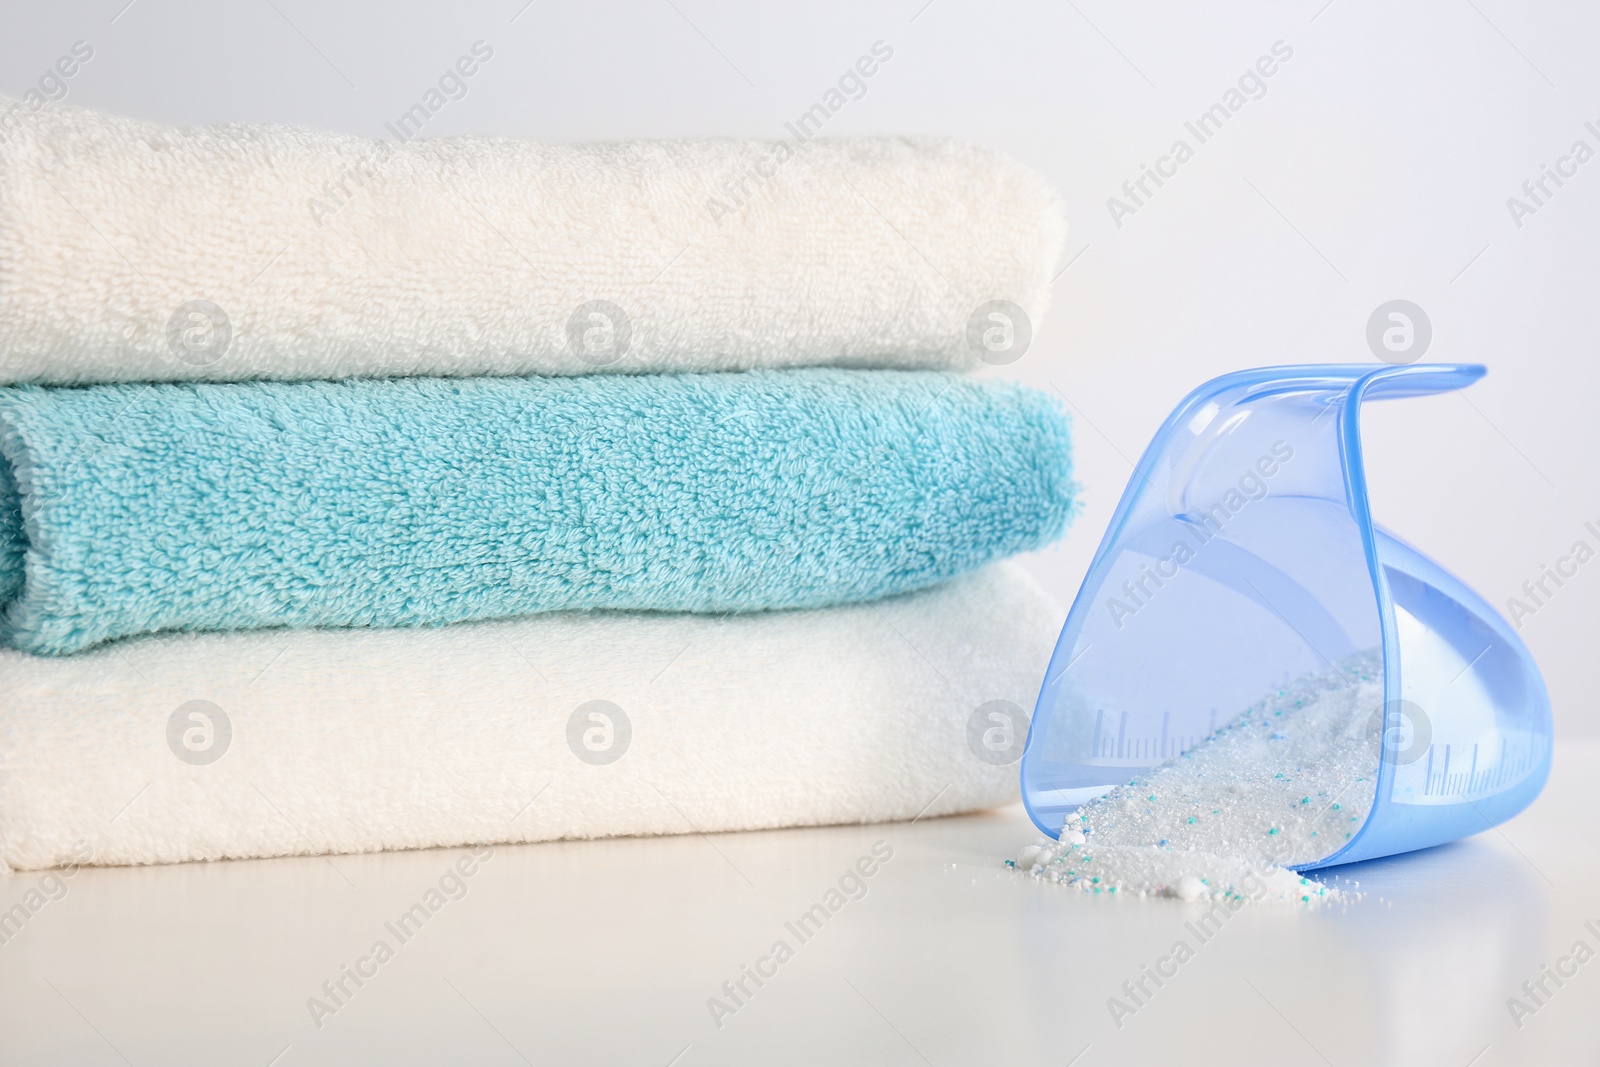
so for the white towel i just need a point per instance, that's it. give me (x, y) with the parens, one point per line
(188, 747)
(133, 251)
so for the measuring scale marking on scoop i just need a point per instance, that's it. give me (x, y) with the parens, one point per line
(1243, 561)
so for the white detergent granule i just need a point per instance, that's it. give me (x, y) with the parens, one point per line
(1288, 782)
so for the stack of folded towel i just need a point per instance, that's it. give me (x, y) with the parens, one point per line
(360, 495)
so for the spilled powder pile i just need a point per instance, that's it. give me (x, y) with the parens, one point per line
(1287, 782)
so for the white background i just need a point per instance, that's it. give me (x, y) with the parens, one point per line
(1376, 166)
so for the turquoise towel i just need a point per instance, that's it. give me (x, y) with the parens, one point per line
(133, 508)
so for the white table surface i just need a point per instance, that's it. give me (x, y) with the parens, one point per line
(607, 952)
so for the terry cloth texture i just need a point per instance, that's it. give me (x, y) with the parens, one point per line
(133, 251)
(133, 509)
(358, 740)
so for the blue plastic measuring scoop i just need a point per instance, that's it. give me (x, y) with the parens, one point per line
(1243, 555)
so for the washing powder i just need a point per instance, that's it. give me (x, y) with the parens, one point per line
(1287, 782)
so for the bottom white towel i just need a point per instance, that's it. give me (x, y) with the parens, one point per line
(189, 747)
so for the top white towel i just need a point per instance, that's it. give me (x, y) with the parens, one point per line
(132, 251)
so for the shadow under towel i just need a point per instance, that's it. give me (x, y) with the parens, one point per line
(129, 509)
